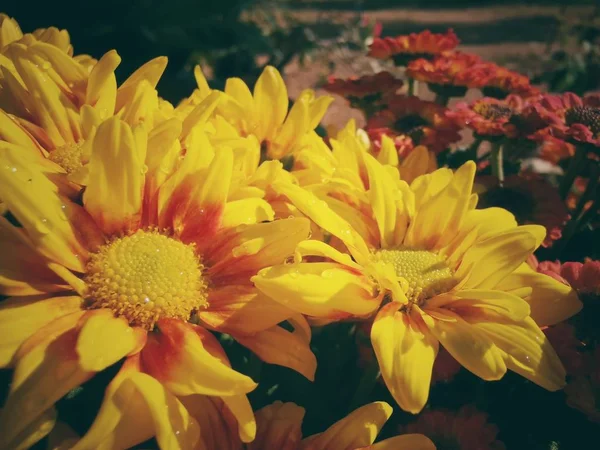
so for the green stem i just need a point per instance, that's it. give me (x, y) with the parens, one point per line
(572, 170)
(365, 386)
(441, 99)
(475, 146)
(497, 162)
(413, 87)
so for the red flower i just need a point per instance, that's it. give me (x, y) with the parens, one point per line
(584, 277)
(489, 116)
(445, 367)
(531, 198)
(415, 45)
(502, 82)
(465, 429)
(568, 348)
(369, 87)
(404, 144)
(424, 122)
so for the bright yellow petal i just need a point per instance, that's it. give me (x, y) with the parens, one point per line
(358, 429)
(186, 359)
(489, 261)
(13, 133)
(21, 317)
(141, 106)
(318, 248)
(388, 153)
(203, 86)
(247, 211)
(405, 351)
(528, 351)
(116, 178)
(319, 289)
(242, 309)
(551, 301)
(283, 348)
(46, 369)
(404, 442)
(468, 345)
(238, 90)
(199, 116)
(150, 72)
(101, 90)
(279, 427)
(242, 410)
(34, 200)
(271, 101)
(104, 339)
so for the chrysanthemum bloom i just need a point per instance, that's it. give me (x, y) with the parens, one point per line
(126, 276)
(264, 114)
(279, 427)
(530, 197)
(503, 82)
(53, 105)
(569, 116)
(366, 92)
(10, 31)
(424, 122)
(449, 75)
(489, 117)
(432, 269)
(405, 48)
(465, 429)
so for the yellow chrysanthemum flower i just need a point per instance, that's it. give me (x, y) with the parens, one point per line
(53, 104)
(10, 31)
(139, 271)
(429, 268)
(263, 113)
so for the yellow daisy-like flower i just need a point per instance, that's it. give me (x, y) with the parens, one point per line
(127, 275)
(10, 31)
(430, 269)
(264, 114)
(53, 104)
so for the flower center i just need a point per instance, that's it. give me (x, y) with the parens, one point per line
(426, 272)
(410, 123)
(590, 117)
(67, 156)
(492, 111)
(146, 276)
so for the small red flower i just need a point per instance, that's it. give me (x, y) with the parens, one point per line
(424, 122)
(531, 198)
(368, 87)
(465, 429)
(584, 277)
(404, 144)
(568, 348)
(415, 45)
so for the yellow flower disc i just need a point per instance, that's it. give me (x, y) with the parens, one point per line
(67, 156)
(146, 276)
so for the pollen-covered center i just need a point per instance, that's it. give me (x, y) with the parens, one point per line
(67, 156)
(492, 111)
(426, 272)
(146, 276)
(585, 115)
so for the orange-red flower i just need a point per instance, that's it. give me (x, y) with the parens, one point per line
(450, 74)
(403, 143)
(489, 116)
(424, 122)
(501, 82)
(531, 198)
(585, 277)
(404, 48)
(370, 87)
(465, 429)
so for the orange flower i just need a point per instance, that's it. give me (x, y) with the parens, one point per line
(465, 429)
(489, 116)
(530, 198)
(404, 48)
(502, 82)
(424, 122)
(451, 74)
(370, 87)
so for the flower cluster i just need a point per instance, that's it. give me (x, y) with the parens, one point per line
(159, 261)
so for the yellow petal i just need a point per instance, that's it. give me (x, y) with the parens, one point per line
(388, 153)
(283, 348)
(141, 106)
(69, 73)
(150, 72)
(242, 410)
(489, 261)
(201, 81)
(279, 427)
(405, 351)
(551, 301)
(199, 116)
(34, 432)
(528, 351)
(116, 178)
(186, 359)
(13, 133)
(319, 289)
(34, 200)
(430, 229)
(468, 345)
(21, 317)
(296, 124)
(238, 90)
(404, 442)
(254, 247)
(318, 248)
(358, 429)
(46, 369)
(247, 211)
(104, 339)
(62, 437)
(101, 90)
(271, 101)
